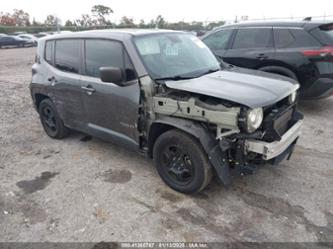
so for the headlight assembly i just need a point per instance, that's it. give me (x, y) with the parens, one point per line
(254, 119)
(292, 97)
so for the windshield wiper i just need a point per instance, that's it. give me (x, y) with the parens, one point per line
(182, 77)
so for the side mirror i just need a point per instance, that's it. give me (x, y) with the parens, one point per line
(112, 75)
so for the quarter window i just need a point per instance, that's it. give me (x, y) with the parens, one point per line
(49, 51)
(218, 40)
(303, 39)
(253, 38)
(293, 38)
(67, 55)
(102, 53)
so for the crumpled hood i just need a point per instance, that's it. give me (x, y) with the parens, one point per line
(247, 87)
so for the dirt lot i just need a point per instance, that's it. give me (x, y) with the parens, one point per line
(77, 190)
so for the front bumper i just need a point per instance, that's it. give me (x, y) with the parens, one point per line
(274, 149)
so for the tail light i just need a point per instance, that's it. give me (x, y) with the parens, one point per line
(323, 52)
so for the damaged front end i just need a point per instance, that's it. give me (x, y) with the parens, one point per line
(221, 127)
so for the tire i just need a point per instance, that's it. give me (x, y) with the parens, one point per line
(181, 162)
(51, 121)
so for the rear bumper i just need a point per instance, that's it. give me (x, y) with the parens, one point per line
(274, 149)
(321, 88)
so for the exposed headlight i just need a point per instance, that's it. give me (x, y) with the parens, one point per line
(292, 97)
(254, 119)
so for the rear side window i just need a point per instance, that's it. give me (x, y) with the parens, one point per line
(294, 38)
(303, 39)
(49, 52)
(67, 55)
(102, 53)
(253, 38)
(218, 40)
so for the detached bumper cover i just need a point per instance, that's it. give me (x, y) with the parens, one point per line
(274, 149)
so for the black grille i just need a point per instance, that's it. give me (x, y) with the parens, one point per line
(277, 121)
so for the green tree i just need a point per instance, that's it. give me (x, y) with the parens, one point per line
(51, 20)
(21, 17)
(127, 22)
(212, 25)
(69, 23)
(160, 22)
(101, 12)
(85, 21)
(142, 24)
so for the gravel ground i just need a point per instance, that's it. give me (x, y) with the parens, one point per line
(88, 190)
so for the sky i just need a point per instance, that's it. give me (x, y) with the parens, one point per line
(175, 10)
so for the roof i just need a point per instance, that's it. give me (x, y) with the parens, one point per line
(120, 34)
(296, 24)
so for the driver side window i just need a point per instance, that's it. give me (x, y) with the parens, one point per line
(106, 53)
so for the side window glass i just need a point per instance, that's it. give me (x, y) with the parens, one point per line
(283, 38)
(218, 40)
(129, 68)
(253, 38)
(303, 39)
(102, 53)
(67, 55)
(49, 51)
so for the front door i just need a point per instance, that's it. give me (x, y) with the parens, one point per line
(251, 48)
(112, 110)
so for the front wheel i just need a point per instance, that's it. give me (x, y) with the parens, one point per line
(51, 121)
(181, 162)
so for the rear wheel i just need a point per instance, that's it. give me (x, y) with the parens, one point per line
(51, 121)
(181, 162)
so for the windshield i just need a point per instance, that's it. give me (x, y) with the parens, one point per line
(175, 55)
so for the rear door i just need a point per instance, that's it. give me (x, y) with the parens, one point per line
(112, 110)
(219, 41)
(251, 48)
(291, 45)
(63, 65)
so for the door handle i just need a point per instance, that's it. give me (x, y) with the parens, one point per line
(88, 89)
(261, 56)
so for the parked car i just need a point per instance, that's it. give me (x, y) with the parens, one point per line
(165, 94)
(41, 34)
(2, 35)
(30, 38)
(14, 41)
(300, 50)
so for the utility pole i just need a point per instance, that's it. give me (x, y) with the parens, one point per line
(58, 24)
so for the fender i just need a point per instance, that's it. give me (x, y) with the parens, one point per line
(207, 140)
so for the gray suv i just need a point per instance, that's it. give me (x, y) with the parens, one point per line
(164, 94)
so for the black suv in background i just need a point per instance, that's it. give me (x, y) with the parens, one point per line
(300, 50)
